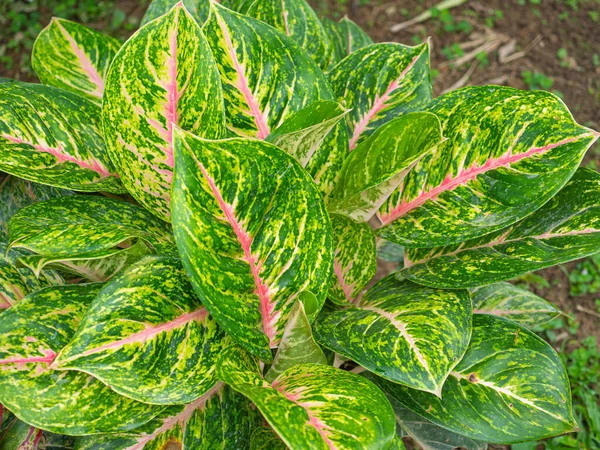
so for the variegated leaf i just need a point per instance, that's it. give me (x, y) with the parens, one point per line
(389, 251)
(148, 323)
(401, 331)
(318, 407)
(258, 67)
(73, 57)
(508, 153)
(252, 232)
(354, 261)
(296, 19)
(397, 443)
(514, 303)
(297, 344)
(265, 438)
(402, 84)
(345, 37)
(221, 419)
(20, 436)
(199, 9)
(31, 335)
(317, 139)
(52, 136)
(510, 387)
(93, 237)
(163, 76)
(428, 435)
(373, 171)
(564, 229)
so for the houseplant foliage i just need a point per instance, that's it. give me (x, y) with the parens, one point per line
(189, 224)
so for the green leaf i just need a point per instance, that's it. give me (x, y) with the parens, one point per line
(375, 169)
(265, 438)
(401, 331)
(52, 136)
(511, 302)
(397, 444)
(510, 387)
(319, 407)
(354, 261)
(266, 76)
(93, 237)
(198, 9)
(297, 20)
(32, 333)
(428, 435)
(508, 152)
(163, 76)
(345, 36)
(73, 57)
(402, 85)
(20, 436)
(317, 139)
(221, 419)
(390, 252)
(252, 232)
(148, 323)
(297, 345)
(564, 229)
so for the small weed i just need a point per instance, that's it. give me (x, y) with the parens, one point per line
(537, 80)
(453, 52)
(585, 277)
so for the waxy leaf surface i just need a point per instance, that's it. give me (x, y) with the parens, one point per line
(265, 438)
(199, 9)
(266, 76)
(252, 232)
(564, 229)
(345, 37)
(313, 406)
(428, 435)
(88, 235)
(378, 83)
(148, 323)
(376, 167)
(32, 333)
(354, 261)
(401, 331)
(298, 20)
(73, 57)
(510, 387)
(317, 138)
(17, 435)
(297, 345)
(221, 419)
(52, 136)
(508, 152)
(164, 76)
(511, 302)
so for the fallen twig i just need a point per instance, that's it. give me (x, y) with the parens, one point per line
(587, 311)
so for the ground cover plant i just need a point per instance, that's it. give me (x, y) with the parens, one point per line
(189, 226)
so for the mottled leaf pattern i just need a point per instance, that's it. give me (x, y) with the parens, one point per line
(402, 332)
(265, 438)
(317, 139)
(252, 232)
(221, 419)
(20, 436)
(508, 152)
(73, 57)
(345, 37)
(147, 322)
(378, 83)
(31, 335)
(199, 9)
(511, 386)
(320, 407)
(297, 20)
(87, 235)
(511, 302)
(258, 67)
(163, 76)
(564, 229)
(354, 262)
(297, 345)
(52, 136)
(373, 171)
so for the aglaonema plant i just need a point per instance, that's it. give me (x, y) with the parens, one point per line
(189, 230)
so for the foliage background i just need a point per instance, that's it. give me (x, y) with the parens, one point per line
(528, 44)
